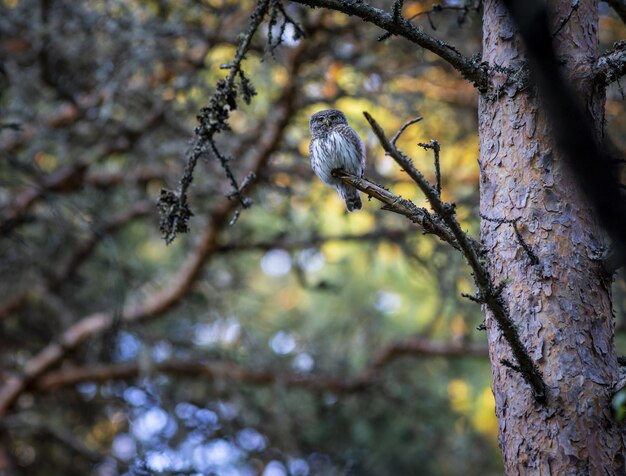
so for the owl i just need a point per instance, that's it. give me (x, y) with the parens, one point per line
(336, 145)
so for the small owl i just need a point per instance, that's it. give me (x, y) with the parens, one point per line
(335, 145)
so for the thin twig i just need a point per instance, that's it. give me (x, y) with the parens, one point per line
(404, 127)
(437, 8)
(478, 299)
(397, 10)
(575, 5)
(434, 145)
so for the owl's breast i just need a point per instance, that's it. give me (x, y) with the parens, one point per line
(334, 151)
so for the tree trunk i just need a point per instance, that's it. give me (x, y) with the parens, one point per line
(562, 306)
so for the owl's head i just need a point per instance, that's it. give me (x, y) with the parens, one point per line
(324, 121)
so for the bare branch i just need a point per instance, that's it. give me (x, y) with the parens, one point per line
(404, 127)
(397, 25)
(564, 21)
(434, 145)
(491, 294)
(307, 242)
(414, 347)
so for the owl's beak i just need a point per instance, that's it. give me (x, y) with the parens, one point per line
(327, 122)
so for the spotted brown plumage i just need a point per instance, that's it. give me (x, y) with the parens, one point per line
(335, 145)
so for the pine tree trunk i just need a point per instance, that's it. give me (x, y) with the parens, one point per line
(562, 306)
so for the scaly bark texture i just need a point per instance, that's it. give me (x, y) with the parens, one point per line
(562, 306)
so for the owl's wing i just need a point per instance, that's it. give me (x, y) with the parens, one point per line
(355, 141)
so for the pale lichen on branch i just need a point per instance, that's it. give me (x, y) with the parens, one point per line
(213, 119)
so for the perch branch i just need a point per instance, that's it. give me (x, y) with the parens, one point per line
(399, 205)
(491, 294)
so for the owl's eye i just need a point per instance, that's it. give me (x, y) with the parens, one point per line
(333, 117)
(320, 119)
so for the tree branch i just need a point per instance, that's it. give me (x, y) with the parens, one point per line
(414, 347)
(490, 294)
(399, 205)
(79, 254)
(534, 260)
(213, 119)
(611, 65)
(434, 145)
(181, 283)
(397, 25)
(307, 242)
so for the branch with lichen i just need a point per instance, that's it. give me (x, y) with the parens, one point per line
(489, 293)
(213, 119)
(402, 206)
(181, 283)
(611, 65)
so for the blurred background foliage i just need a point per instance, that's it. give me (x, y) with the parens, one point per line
(98, 104)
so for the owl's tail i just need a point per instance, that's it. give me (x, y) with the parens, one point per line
(351, 197)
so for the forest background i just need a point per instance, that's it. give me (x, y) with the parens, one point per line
(287, 337)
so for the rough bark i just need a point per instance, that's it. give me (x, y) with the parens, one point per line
(562, 306)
